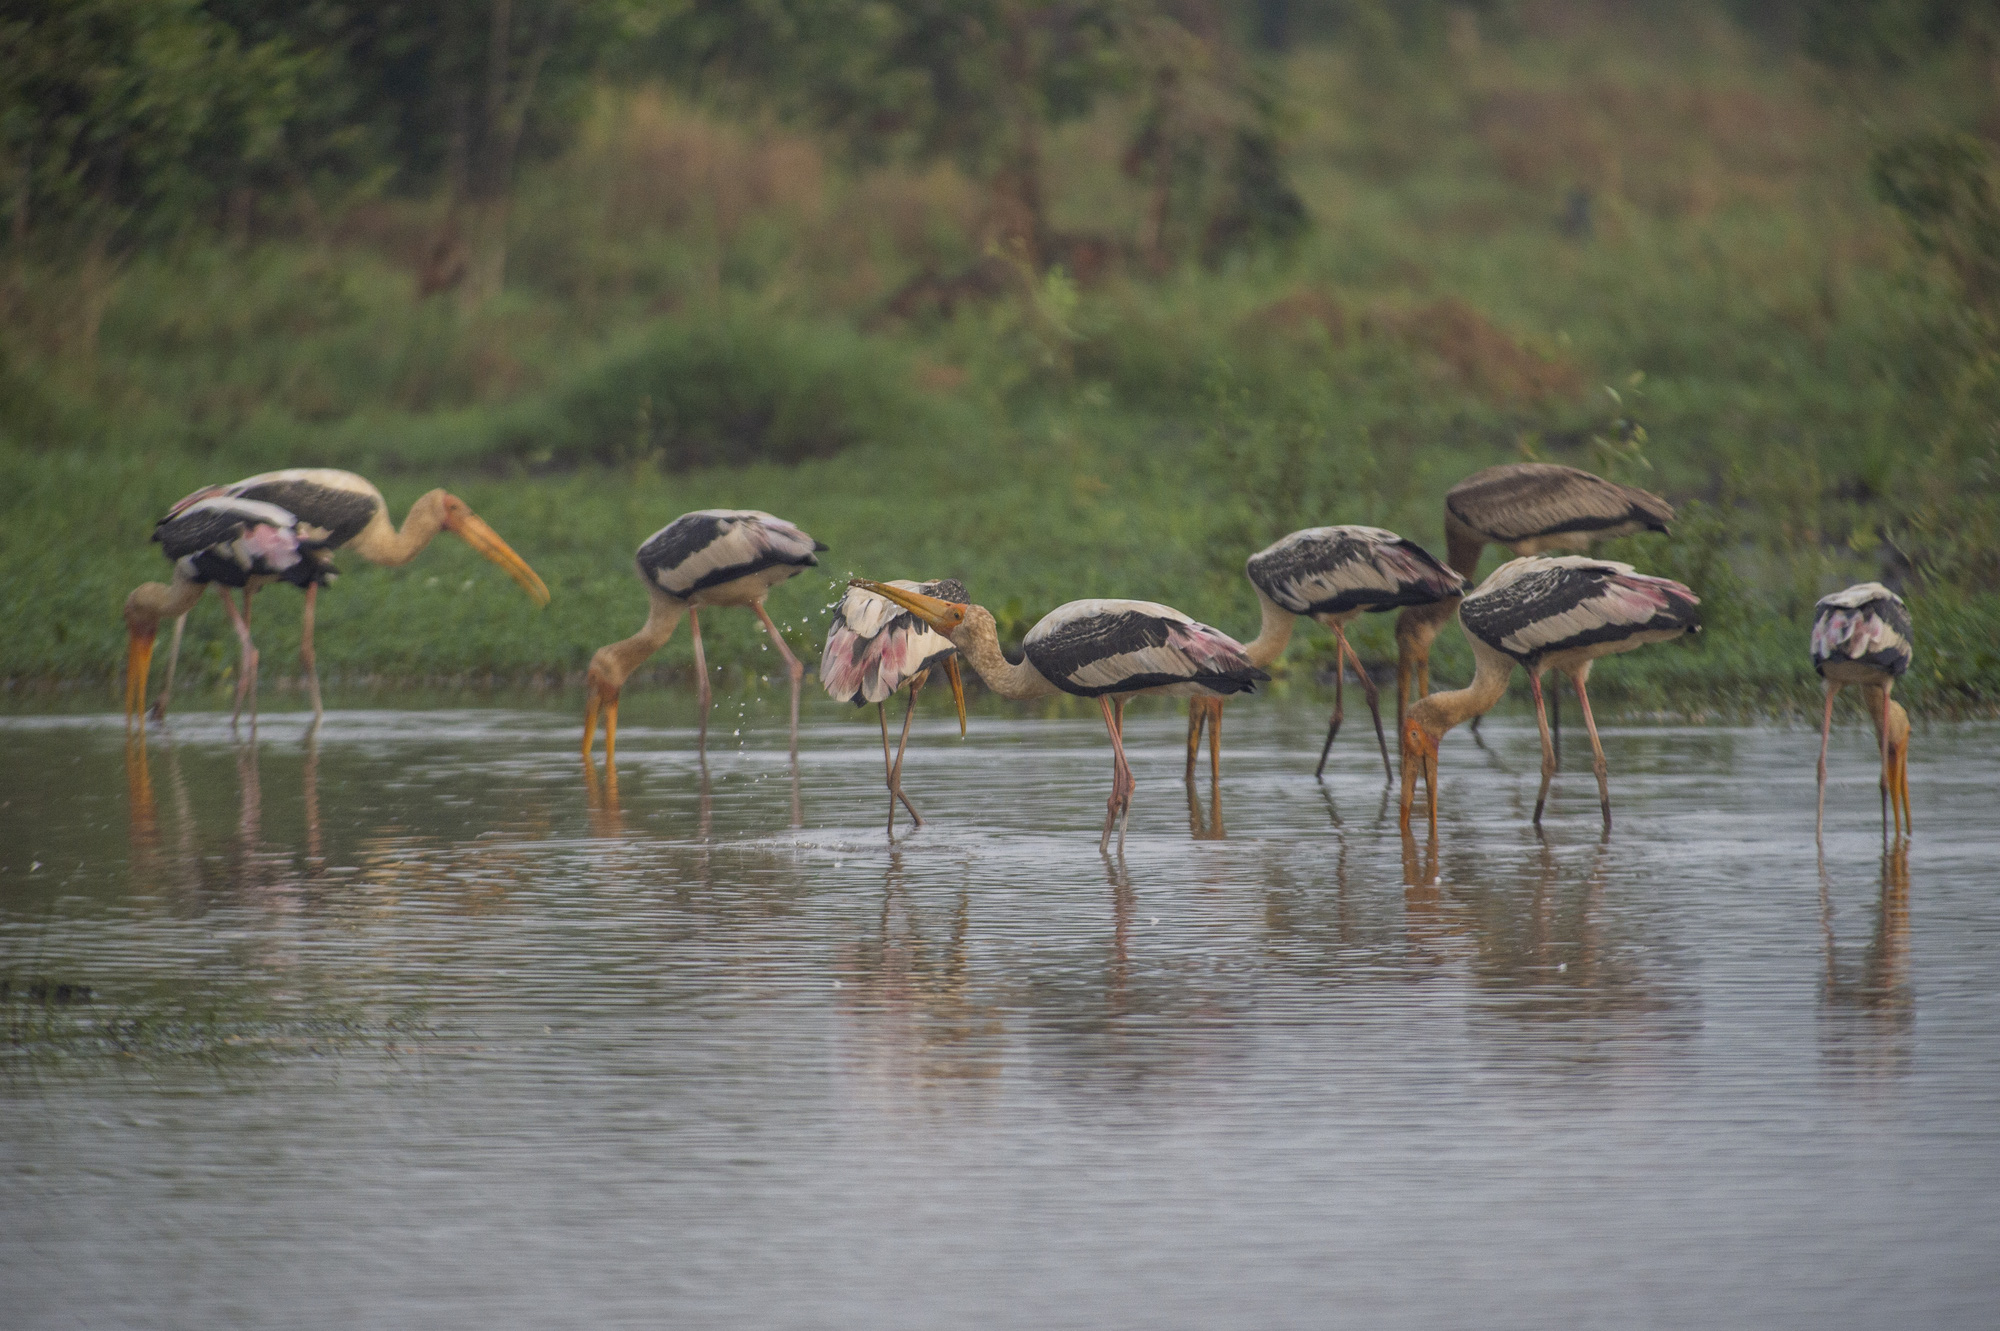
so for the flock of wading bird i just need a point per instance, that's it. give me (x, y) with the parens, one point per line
(1539, 611)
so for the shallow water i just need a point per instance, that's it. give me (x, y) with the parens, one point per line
(418, 1024)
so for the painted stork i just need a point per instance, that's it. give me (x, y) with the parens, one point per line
(228, 542)
(1108, 650)
(711, 557)
(873, 648)
(338, 510)
(1333, 575)
(1529, 508)
(1544, 612)
(1861, 636)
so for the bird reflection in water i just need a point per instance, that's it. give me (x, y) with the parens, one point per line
(1868, 1003)
(600, 797)
(909, 993)
(1205, 826)
(1118, 973)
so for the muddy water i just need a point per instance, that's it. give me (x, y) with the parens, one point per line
(417, 1024)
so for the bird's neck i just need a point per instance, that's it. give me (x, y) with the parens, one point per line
(616, 663)
(381, 543)
(978, 639)
(1883, 710)
(1272, 634)
(152, 602)
(1462, 547)
(1489, 685)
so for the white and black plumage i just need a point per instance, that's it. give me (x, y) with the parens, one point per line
(1103, 649)
(874, 647)
(712, 557)
(1332, 575)
(1527, 508)
(1543, 612)
(338, 510)
(216, 539)
(1861, 636)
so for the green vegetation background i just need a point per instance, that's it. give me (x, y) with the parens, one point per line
(1661, 251)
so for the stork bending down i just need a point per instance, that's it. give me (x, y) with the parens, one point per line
(1334, 575)
(1861, 636)
(1543, 613)
(1108, 650)
(712, 557)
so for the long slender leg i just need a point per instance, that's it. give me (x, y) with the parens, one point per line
(700, 675)
(1556, 725)
(1825, 730)
(306, 655)
(173, 659)
(1402, 689)
(1883, 731)
(1214, 746)
(896, 772)
(888, 767)
(254, 657)
(1110, 805)
(1903, 783)
(1374, 702)
(1597, 751)
(1125, 804)
(1197, 716)
(1548, 745)
(1339, 684)
(794, 669)
(247, 652)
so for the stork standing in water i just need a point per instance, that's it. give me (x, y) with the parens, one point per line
(712, 557)
(1861, 636)
(228, 542)
(338, 510)
(1544, 612)
(1112, 651)
(1334, 575)
(1530, 508)
(873, 648)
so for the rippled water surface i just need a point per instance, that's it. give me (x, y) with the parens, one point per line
(418, 1025)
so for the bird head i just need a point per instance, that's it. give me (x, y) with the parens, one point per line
(142, 626)
(462, 522)
(944, 616)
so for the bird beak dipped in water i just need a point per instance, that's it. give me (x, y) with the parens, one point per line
(474, 531)
(138, 663)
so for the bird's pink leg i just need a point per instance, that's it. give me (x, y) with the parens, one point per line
(700, 675)
(1602, 768)
(792, 667)
(1882, 731)
(1197, 715)
(173, 658)
(896, 771)
(246, 662)
(306, 654)
(1548, 746)
(1339, 683)
(1556, 727)
(888, 767)
(1214, 747)
(1125, 804)
(1825, 732)
(1374, 702)
(1121, 773)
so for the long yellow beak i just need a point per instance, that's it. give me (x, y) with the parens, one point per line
(138, 662)
(957, 690)
(475, 532)
(927, 608)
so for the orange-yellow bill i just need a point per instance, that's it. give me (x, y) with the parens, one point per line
(957, 690)
(927, 608)
(475, 532)
(138, 662)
